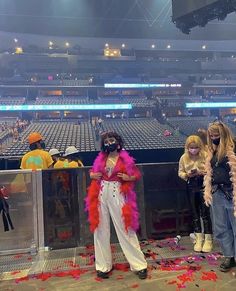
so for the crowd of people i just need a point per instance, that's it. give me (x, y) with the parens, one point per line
(13, 129)
(208, 166)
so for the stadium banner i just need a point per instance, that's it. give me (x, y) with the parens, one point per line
(144, 86)
(211, 105)
(66, 107)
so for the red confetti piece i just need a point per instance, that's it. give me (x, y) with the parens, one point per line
(185, 278)
(135, 286)
(120, 277)
(98, 279)
(209, 276)
(26, 278)
(121, 267)
(73, 273)
(72, 264)
(44, 276)
(172, 282)
(29, 259)
(82, 255)
(90, 247)
(15, 272)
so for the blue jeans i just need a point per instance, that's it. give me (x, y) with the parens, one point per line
(224, 223)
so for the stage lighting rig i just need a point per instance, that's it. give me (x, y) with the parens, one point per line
(199, 12)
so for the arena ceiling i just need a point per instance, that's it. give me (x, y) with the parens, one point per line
(104, 18)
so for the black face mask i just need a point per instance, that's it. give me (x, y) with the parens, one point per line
(216, 141)
(110, 147)
(43, 146)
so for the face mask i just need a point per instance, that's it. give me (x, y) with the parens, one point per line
(216, 141)
(109, 148)
(43, 146)
(193, 151)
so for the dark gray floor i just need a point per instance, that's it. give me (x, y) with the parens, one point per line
(171, 267)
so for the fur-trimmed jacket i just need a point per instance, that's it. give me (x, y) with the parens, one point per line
(125, 164)
(208, 177)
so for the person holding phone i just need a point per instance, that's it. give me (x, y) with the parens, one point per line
(192, 170)
(220, 189)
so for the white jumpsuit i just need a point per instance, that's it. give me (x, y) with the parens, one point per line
(111, 202)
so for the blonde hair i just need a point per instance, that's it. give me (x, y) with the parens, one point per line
(196, 140)
(226, 139)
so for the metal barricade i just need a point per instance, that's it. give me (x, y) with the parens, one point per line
(23, 198)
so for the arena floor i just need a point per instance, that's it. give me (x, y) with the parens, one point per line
(171, 267)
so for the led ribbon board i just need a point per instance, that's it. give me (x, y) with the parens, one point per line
(211, 105)
(65, 107)
(144, 86)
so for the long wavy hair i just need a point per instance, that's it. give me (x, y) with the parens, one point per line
(202, 133)
(196, 140)
(226, 139)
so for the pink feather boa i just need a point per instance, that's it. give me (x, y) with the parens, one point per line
(208, 177)
(125, 164)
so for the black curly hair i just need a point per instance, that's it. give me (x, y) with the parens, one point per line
(111, 134)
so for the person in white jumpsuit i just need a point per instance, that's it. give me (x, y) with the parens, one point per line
(110, 201)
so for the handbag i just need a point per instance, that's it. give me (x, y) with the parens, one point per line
(4, 209)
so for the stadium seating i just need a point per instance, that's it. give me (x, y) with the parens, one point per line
(138, 134)
(144, 133)
(57, 100)
(58, 135)
(190, 124)
(135, 101)
(12, 100)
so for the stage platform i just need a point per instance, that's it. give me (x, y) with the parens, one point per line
(171, 267)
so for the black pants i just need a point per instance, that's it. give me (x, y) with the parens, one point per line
(199, 210)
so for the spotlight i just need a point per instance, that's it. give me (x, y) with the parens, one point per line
(19, 50)
(204, 47)
(50, 43)
(123, 45)
(153, 46)
(106, 45)
(15, 40)
(168, 46)
(67, 44)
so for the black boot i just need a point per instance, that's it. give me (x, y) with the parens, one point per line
(103, 275)
(142, 274)
(227, 264)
